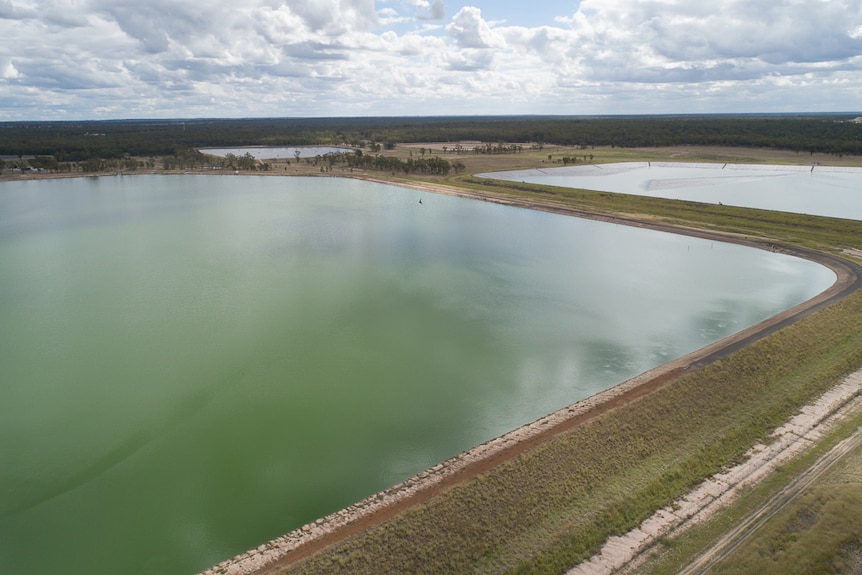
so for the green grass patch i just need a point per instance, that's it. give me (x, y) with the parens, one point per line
(819, 532)
(672, 553)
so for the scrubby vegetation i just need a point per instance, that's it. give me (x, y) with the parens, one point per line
(79, 141)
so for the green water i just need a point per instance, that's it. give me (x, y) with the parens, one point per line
(192, 365)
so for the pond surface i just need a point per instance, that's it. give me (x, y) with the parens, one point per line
(193, 365)
(814, 190)
(277, 153)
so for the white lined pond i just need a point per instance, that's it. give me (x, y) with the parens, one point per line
(814, 190)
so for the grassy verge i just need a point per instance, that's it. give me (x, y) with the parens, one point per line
(818, 532)
(544, 511)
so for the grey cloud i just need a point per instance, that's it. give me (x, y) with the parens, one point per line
(9, 11)
(312, 50)
(145, 71)
(63, 13)
(549, 43)
(734, 40)
(781, 34)
(470, 60)
(695, 74)
(437, 11)
(66, 20)
(776, 31)
(60, 75)
(155, 23)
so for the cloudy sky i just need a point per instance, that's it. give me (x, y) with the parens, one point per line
(101, 59)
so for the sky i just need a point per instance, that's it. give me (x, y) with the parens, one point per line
(119, 59)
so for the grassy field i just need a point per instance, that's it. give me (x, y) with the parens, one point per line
(552, 507)
(819, 531)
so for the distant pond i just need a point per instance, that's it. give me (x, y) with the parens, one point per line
(278, 153)
(193, 365)
(814, 190)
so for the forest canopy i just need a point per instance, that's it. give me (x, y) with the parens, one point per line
(80, 141)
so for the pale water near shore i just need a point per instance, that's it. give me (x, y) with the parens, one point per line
(193, 365)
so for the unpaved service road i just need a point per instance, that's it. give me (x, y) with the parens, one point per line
(738, 535)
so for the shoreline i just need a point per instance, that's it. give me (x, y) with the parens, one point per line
(299, 544)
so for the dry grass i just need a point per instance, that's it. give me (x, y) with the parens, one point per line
(817, 532)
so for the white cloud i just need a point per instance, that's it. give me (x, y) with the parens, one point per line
(632, 35)
(470, 31)
(343, 57)
(7, 69)
(336, 16)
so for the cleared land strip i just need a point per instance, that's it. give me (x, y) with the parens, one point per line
(732, 540)
(308, 540)
(621, 553)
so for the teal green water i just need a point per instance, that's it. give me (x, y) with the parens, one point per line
(192, 365)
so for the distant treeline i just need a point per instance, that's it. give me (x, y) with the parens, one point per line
(79, 141)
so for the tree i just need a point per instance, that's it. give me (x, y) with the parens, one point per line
(246, 162)
(45, 163)
(92, 165)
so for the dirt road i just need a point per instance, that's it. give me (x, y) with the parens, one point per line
(746, 528)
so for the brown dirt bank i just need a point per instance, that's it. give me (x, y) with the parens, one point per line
(305, 542)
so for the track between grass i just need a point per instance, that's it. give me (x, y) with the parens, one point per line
(739, 534)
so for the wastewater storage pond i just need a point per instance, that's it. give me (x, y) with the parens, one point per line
(814, 190)
(193, 365)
